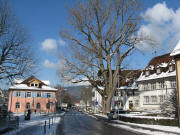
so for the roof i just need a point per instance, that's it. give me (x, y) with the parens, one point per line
(20, 84)
(25, 87)
(166, 58)
(162, 62)
(176, 50)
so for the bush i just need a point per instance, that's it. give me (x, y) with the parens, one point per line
(165, 122)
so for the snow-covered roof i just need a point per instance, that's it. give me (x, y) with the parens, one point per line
(176, 50)
(156, 76)
(47, 82)
(132, 87)
(25, 87)
(18, 80)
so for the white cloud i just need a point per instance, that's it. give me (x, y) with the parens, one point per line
(49, 64)
(162, 26)
(159, 13)
(49, 44)
(61, 42)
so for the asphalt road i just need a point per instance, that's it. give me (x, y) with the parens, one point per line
(76, 123)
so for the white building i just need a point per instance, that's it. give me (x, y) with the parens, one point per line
(156, 82)
(126, 94)
(97, 100)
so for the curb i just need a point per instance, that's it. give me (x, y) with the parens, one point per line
(135, 126)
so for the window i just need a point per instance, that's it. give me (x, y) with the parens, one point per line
(32, 84)
(121, 93)
(38, 106)
(28, 105)
(145, 86)
(161, 98)
(147, 73)
(153, 86)
(158, 71)
(17, 105)
(48, 95)
(38, 94)
(36, 84)
(161, 84)
(171, 68)
(48, 105)
(173, 83)
(136, 102)
(18, 93)
(28, 94)
(146, 99)
(154, 99)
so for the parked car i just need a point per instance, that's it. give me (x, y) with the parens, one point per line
(115, 113)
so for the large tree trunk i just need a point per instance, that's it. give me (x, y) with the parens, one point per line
(106, 102)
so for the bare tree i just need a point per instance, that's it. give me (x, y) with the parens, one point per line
(103, 34)
(16, 59)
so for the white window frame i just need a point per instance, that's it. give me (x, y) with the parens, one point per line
(146, 99)
(158, 71)
(154, 99)
(28, 94)
(18, 94)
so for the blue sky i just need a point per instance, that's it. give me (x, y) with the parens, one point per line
(45, 18)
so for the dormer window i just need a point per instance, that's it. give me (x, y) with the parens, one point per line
(147, 73)
(171, 68)
(158, 71)
(34, 85)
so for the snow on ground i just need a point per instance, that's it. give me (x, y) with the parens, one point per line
(150, 127)
(146, 132)
(35, 126)
(102, 115)
(142, 116)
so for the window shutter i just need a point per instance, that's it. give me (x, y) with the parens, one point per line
(45, 95)
(35, 94)
(31, 94)
(22, 94)
(51, 95)
(14, 93)
(41, 94)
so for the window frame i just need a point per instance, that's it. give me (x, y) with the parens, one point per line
(17, 105)
(28, 104)
(38, 105)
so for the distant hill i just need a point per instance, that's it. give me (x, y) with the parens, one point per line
(75, 90)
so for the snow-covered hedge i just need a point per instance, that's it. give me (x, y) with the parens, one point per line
(152, 121)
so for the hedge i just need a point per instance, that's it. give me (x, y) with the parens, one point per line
(165, 122)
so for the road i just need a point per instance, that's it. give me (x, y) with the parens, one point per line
(77, 123)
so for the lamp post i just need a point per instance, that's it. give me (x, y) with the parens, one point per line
(176, 54)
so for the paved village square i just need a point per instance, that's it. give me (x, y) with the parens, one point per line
(89, 67)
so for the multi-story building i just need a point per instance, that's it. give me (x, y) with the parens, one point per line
(97, 100)
(126, 94)
(32, 94)
(156, 82)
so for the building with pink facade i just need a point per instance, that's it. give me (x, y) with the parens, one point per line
(32, 94)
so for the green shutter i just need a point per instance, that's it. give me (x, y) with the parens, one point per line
(35, 94)
(31, 94)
